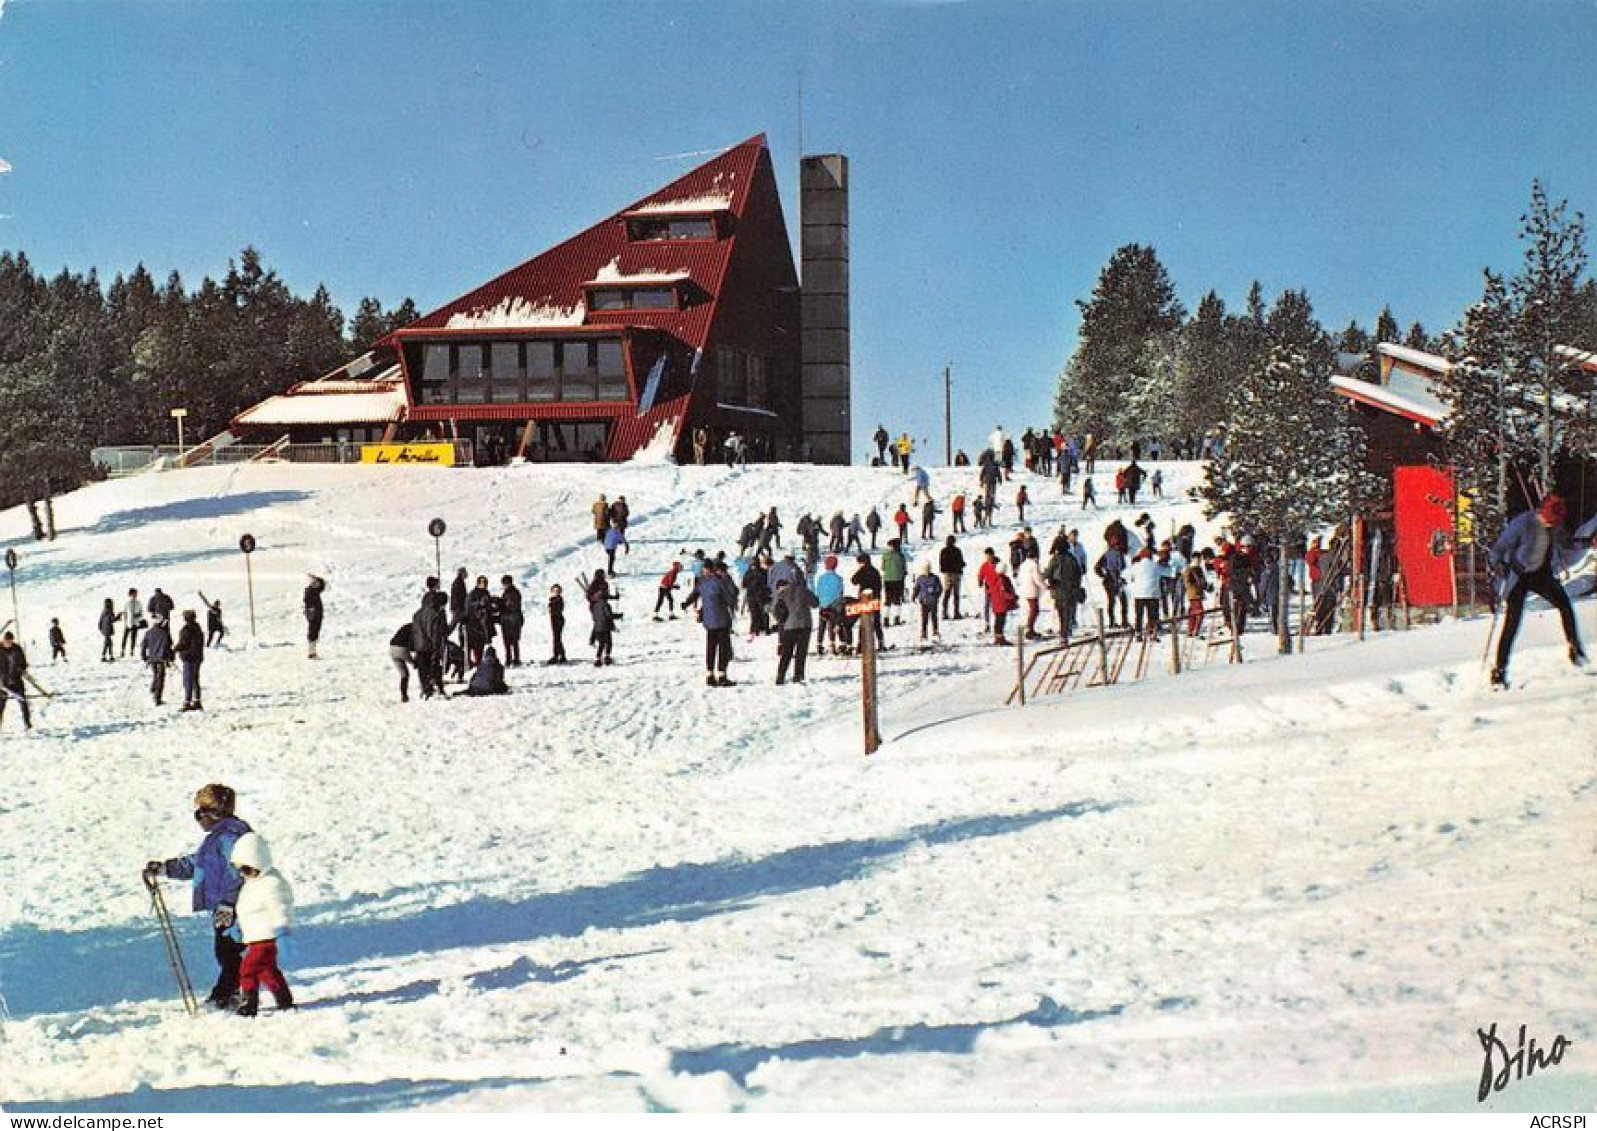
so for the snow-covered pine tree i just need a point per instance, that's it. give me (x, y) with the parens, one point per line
(1547, 298)
(1152, 405)
(1132, 303)
(1486, 426)
(1292, 460)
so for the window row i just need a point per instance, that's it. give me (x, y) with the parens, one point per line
(586, 369)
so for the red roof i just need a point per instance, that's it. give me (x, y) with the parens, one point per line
(555, 279)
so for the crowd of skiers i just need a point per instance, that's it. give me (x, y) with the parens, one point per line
(802, 589)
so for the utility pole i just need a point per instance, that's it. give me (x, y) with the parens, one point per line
(948, 414)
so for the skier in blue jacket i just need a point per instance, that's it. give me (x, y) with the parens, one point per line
(1525, 555)
(216, 882)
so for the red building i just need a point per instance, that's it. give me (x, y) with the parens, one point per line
(1400, 415)
(675, 320)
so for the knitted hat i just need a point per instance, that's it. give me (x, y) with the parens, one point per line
(1553, 510)
(831, 561)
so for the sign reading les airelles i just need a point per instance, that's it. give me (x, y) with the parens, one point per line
(441, 454)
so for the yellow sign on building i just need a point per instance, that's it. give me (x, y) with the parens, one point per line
(440, 455)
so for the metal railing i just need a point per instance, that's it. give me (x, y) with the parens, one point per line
(120, 461)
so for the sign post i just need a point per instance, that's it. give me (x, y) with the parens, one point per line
(11, 568)
(436, 528)
(178, 414)
(247, 545)
(1020, 663)
(865, 611)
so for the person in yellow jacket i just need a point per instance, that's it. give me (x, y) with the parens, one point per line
(904, 446)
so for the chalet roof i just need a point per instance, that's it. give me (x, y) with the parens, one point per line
(331, 400)
(1586, 359)
(549, 290)
(1404, 395)
(1429, 361)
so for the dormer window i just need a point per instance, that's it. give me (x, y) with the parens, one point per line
(641, 228)
(632, 298)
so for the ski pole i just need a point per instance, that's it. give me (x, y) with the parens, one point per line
(174, 953)
(1497, 605)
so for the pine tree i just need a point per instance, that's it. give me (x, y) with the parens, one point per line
(1386, 327)
(1354, 339)
(371, 322)
(1132, 304)
(1292, 461)
(1486, 426)
(1547, 296)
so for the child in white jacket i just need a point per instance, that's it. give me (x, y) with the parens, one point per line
(265, 904)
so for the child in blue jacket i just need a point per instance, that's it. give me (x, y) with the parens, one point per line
(216, 882)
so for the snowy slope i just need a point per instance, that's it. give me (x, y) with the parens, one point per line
(1297, 882)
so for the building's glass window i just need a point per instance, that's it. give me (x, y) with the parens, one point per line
(654, 298)
(569, 440)
(670, 228)
(578, 377)
(543, 379)
(632, 298)
(612, 370)
(505, 363)
(435, 373)
(471, 377)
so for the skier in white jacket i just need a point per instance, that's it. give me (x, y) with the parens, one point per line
(265, 906)
(1143, 579)
(1030, 585)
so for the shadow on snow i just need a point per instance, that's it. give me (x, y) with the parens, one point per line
(213, 506)
(60, 971)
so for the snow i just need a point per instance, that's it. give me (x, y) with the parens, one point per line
(1296, 882)
(704, 202)
(1430, 361)
(518, 314)
(611, 273)
(332, 401)
(1411, 396)
(660, 448)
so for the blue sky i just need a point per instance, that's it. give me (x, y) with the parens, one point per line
(1369, 152)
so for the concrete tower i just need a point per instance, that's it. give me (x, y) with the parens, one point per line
(823, 243)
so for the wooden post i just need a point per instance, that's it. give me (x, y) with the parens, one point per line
(1020, 664)
(1175, 644)
(1103, 652)
(867, 652)
(249, 582)
(526, 438)
(1305, 594)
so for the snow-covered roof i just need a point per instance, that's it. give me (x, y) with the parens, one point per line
(687, 205)
(1406, 395)
(519, 314)
(1586, 359)
(1430, 361)
(332, 401)
(612, 275)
